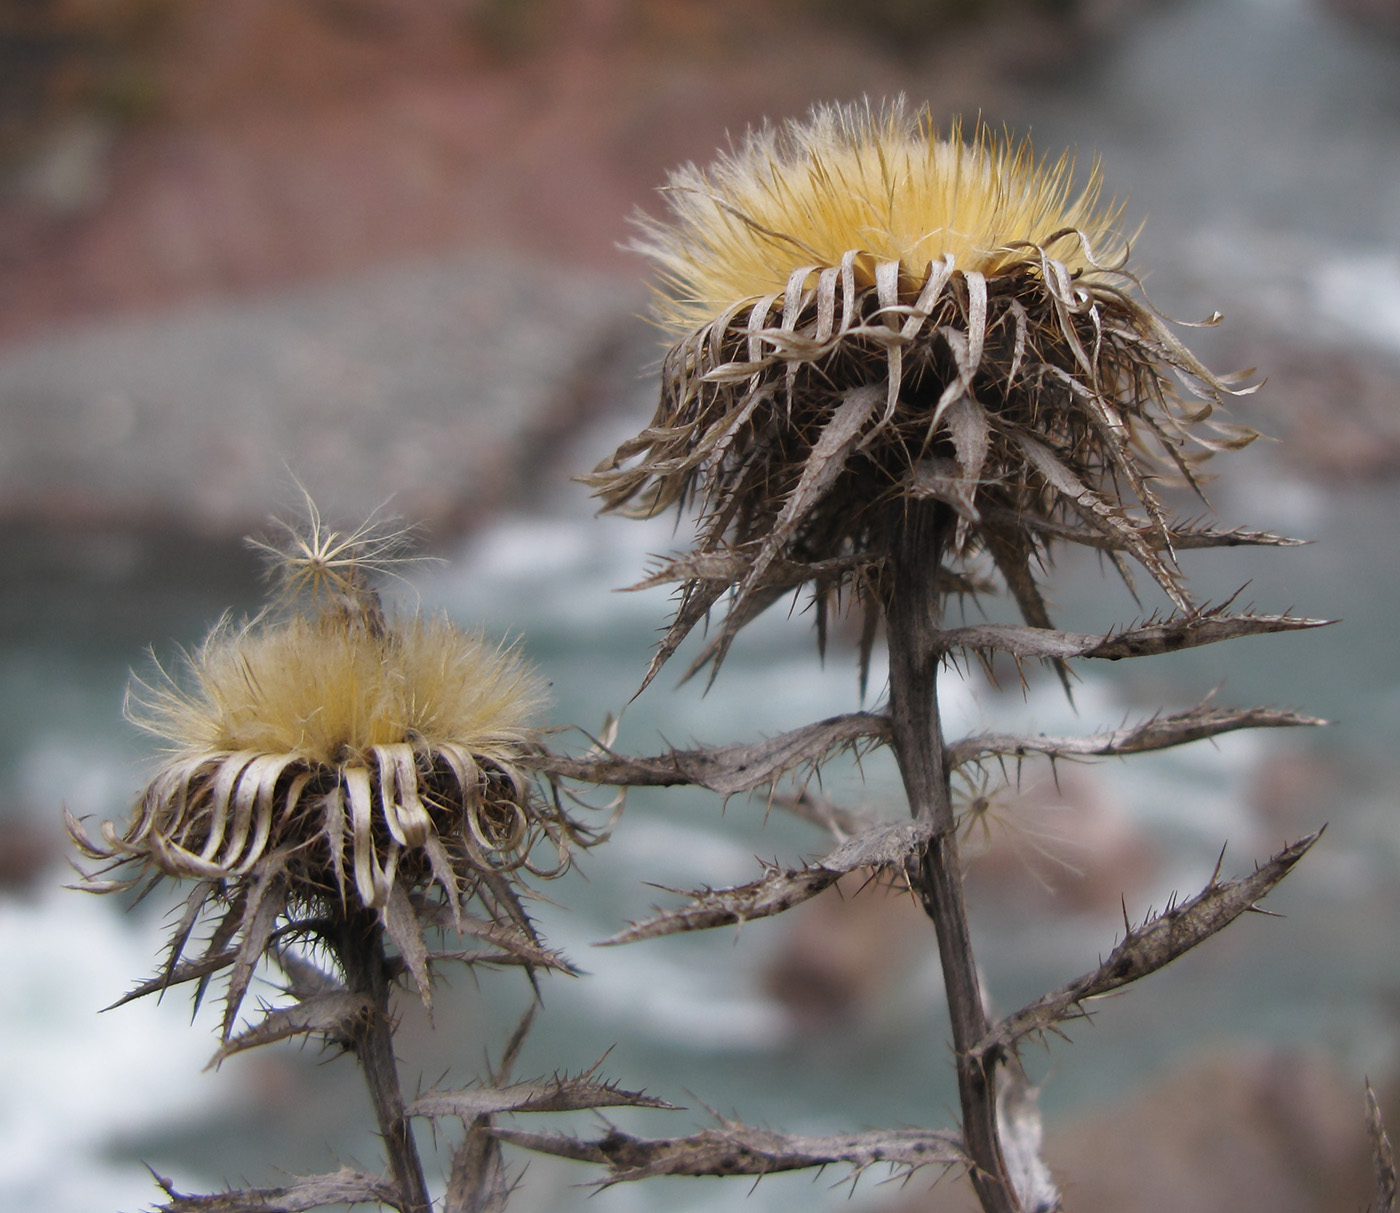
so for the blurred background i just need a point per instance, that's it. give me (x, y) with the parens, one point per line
(375, 245)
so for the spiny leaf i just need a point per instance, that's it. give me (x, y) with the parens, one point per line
(1158, 733)
(1012, 556)
(477, 1181)
(780, 889)
(559, 1094)
(517, 945)
(188, 970)
(696, 599)
(727, 770)
(825, 464)
(343, 1187)
(1147, 948)
(1182, 537)
(332, 1014)
(266, 902)
(537, 958)
(1150, 639)
(730, 567)
(736, 1149)
(407, 933)
(1104, 513)
(1382, 1155)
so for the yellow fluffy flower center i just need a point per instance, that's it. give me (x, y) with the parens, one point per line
(329, 688)
(880, 183)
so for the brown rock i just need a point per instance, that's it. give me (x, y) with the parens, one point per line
(1054, 844)
(1277, 1130)
(843, 953)
(262, 143)
(1333, 409)
(1280, 1130)
(430, 385)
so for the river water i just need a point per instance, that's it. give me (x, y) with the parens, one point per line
(1267, 138)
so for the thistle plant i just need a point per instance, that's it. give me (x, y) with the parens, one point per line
(345, 786)
(906, 367)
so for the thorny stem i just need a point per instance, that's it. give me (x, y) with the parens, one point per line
(911, 620)
(360, 949)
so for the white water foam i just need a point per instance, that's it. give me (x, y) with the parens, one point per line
(80, 1077)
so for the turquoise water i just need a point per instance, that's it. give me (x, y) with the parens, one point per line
(1242, 123)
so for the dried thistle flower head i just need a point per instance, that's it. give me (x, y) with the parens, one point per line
(308, 559)
(326, 760)
(866, 313)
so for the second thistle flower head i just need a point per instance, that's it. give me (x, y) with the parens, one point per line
(328, 760)
(866, 313)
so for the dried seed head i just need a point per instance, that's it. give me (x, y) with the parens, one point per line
(323, 759)
(308, 559)
(988, 807)
(866, 314)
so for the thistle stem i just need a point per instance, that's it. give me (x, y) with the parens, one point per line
(912, 624)
(360, 949)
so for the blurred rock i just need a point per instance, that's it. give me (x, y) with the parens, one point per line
(67, 174)
(262, 143)
(844, 953)
(1334, 409)
(435, 386)
(1279, 1130)
(27, 850)
(1297, 787)
(1380, 15)
(216, 157)
(1055, 845)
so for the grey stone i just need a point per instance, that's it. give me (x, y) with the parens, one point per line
(430, 384)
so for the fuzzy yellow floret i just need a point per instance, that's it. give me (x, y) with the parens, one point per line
(328, 688)
(880, 182)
